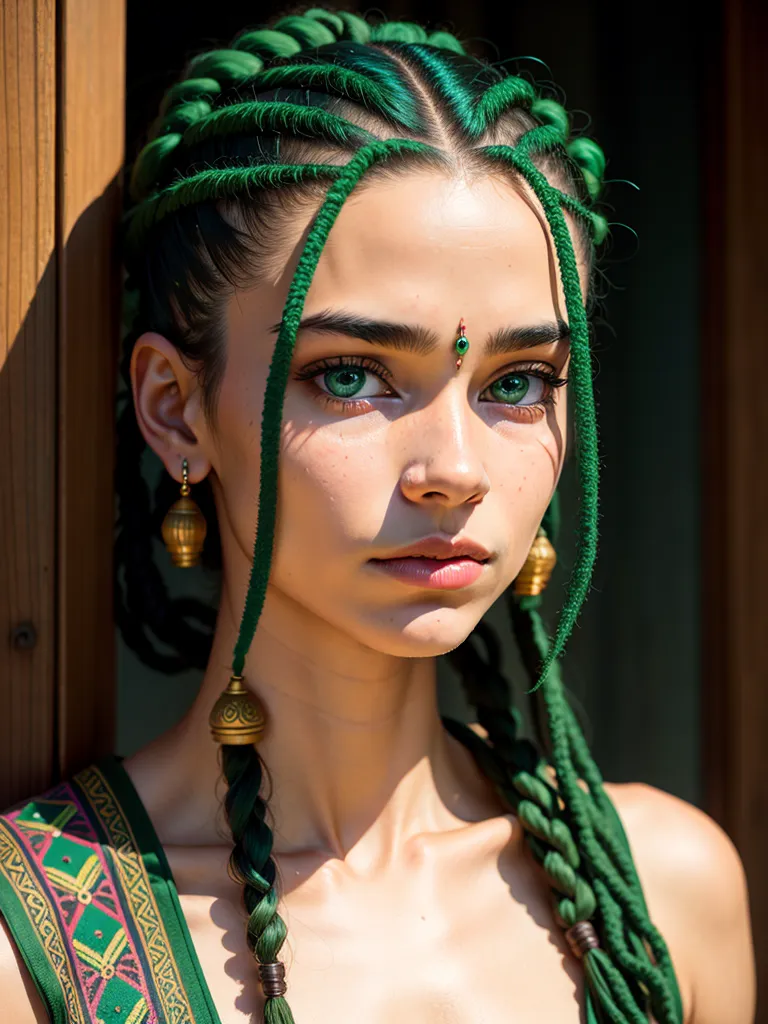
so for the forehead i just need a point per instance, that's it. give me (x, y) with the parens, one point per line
(425, 241)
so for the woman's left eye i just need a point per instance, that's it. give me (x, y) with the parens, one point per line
(518, 389)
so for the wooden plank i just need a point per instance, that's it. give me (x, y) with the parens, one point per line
(27, 393)
(91, 157)
(735, 442)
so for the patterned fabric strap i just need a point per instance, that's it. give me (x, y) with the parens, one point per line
(84, 911)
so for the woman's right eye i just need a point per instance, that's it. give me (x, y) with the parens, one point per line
(350, 381)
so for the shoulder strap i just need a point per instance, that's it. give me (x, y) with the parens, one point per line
(81, 908)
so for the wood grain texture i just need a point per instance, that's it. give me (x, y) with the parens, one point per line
(735, 449)
(27, 393)
(90, 161)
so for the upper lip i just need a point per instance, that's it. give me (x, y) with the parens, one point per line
(440, 547)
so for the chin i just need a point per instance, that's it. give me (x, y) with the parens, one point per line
(419, 632)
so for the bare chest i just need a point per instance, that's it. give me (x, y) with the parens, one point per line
(427, 946)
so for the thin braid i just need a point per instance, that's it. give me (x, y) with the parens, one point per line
(286, 118)
(523, 783)
(218, 183)
(278, 375)
(348, 83)
(580, 376)
(615, 882)
(251, 863)
(625, 945)
(510, 92)
(578, 807)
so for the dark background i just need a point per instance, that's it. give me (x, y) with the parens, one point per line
(642, 72)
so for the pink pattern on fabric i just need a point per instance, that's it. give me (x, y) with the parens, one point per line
(80, 884)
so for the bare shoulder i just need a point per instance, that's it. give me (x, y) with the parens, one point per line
(696, 891)
(20, 999)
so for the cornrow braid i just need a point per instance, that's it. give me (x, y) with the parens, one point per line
(316, 106)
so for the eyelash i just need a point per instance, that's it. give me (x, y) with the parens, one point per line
(543, 371)
(348, 406)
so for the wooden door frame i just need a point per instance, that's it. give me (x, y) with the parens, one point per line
(62, 109)
(91, 155)
(734, 432)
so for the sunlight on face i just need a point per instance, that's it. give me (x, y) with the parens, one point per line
(385, 442)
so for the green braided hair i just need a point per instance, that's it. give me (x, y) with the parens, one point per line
(308, 111)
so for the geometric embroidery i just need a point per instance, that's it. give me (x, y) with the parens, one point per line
(17, 869)
(120, 1004)
(74, 886)
(100, 941)
(129, 867)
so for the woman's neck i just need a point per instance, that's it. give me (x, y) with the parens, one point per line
(356, 755)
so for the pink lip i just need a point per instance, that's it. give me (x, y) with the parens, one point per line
(433, 573)
(436, 563)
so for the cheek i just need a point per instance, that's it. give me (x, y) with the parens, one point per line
(334, 490)
(524, 472)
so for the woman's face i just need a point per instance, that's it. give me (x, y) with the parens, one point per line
(387, 445)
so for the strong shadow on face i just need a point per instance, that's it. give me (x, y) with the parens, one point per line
(523, 879)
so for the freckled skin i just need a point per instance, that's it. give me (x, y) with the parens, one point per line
(407, 891)
(354, 481)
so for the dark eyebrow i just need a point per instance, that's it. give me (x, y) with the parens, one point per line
(412, 337)
(421, 340)
(512, 339)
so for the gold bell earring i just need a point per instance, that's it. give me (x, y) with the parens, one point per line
(237, 716)
(537, 568)
(184, 526)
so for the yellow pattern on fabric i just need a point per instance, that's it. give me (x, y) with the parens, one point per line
(16, 869)
(37, 824)
(128, 862)
(104, 962)
(137, 1013)
(82, 883)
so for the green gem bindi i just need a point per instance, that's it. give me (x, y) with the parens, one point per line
(462, 343)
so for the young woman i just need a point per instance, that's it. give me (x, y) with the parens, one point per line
(362, 262)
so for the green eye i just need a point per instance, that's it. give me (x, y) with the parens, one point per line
(348, 378)
(511, 389)
(345, 382)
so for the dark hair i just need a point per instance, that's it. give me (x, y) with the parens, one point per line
(298, 114)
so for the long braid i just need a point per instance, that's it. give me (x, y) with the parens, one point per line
(320, 123)
(251, 864)
(523, 781)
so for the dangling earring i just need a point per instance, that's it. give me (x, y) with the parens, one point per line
(238, 716)
(537, 568)
(184, 526)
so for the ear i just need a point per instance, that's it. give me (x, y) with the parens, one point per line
(169, 410)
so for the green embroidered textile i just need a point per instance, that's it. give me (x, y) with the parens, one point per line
(90, 901)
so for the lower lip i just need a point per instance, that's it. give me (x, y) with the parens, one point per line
(433, 573)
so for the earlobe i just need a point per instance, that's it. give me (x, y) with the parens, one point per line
(163, 389)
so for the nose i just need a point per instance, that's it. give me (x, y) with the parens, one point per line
(445, 468)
